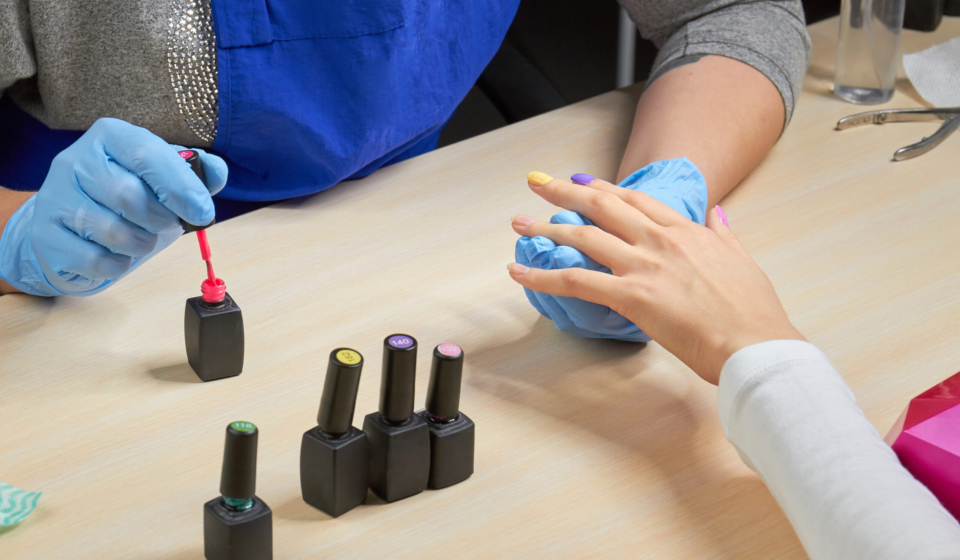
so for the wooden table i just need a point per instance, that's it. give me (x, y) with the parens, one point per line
(584, 448)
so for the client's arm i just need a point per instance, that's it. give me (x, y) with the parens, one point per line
(698, 293)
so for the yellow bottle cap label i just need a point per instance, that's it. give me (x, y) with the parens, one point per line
(348, 357)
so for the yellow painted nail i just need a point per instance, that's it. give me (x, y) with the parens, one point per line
(538, 178)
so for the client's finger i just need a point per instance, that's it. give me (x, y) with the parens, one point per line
(717, 222)
(588, 285)
(609, 212)
(592, 241)
(657, 211)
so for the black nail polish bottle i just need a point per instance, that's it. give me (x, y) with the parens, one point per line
(399, 440)
(334, 456)
(213, 332)
(451, 431)
(238, 525)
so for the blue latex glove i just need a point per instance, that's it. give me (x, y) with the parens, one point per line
(110, 201)
(674, 182)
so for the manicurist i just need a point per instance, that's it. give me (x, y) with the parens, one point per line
(294, 96)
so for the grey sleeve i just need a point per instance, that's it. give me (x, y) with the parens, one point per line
(770, 35)
(17, 59)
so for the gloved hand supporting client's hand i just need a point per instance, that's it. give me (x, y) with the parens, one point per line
(674, 182)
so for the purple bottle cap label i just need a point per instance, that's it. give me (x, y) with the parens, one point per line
(449, 349)
(400, 341)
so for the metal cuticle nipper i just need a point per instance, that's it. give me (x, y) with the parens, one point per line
(949, 115)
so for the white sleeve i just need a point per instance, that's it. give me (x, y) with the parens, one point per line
(796, 423)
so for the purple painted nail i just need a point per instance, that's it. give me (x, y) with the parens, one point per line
(582, 179)
(723, 216)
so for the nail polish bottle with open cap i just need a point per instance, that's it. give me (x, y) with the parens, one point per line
(212, 322)
(213, 332)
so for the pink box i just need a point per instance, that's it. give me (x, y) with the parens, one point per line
(926, 438)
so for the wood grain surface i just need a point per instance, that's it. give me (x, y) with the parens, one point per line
(585, 448)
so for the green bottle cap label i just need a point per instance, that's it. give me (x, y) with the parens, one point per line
(243, 426)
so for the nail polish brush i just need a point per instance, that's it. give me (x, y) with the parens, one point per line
(213, 288)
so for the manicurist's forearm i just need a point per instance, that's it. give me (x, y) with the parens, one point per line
(10, 202)
(722, 114)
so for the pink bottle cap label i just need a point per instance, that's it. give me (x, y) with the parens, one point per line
(400, 341)
(449, 349)
(186, 154)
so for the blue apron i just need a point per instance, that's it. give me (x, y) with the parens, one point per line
(313, 92)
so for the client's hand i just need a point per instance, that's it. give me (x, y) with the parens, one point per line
(674, 182)
(693, 289)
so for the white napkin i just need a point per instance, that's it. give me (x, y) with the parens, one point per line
(935, 73)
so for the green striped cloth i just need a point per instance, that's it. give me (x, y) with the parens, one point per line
(16, 504)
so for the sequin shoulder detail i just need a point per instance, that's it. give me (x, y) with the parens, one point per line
(192, 64)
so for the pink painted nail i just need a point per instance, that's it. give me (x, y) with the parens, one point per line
(723, 216)
(522, 220)
(516, 268)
